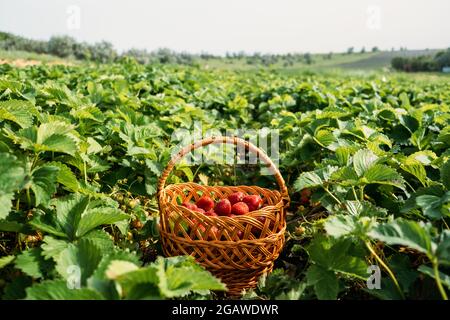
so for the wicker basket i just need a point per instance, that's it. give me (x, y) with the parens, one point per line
(238, 250)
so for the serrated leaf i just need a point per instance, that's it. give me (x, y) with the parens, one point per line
(32, 263)
(52, 248)
(12, 176)
(18, 111)
(416, 169)
(364, 209)
(59, 290)
(119, 267)
(445, 279)
(68, 212)
(15, 290)
(382, 174)
(314, 178)
(336, 255)
(78, 262)
(415, 235)
(65, 176)
(445, 174)
(169, 275)
(43, 183)
(443, 248)
(363, 160)
(341, 225)
(99, 216)
(102, 239)
(431, 205)
(326, 285)
(4, 261)
(53, 136)
(100, 282)
(307, 180)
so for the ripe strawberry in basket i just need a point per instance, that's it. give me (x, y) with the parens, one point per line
(236, 197)
(254, 202)
(223, 207)
(211, 213)
(239, 208)
(206, 203)
(199, 210)
(189, 205)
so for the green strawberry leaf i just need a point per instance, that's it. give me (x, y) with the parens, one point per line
(12, 175)
(326, 285)
(99, 216)
(59, 290)
(77, 262)
(363, 160)
(33, 263)
(4, 261)
(43, 183)
(412, 234)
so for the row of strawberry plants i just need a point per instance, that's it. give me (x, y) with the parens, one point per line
(82, 148)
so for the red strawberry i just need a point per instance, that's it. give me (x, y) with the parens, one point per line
(199, 226)
(239, 208)
(189, 205)
(211, 213)
(304, 200)
(253, 202)
(236, 197)
(213, 233)
(305, 193)
(255, 230)
(199, 210)
(223, 207)
(206, 203)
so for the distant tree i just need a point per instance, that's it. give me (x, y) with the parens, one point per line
(398, 63)
(103, 52)
(308, 58)
(350, 50)
(363, 50)
(375, 49)
(61, 46)
(442, 59)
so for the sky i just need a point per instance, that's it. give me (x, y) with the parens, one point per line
(220, 26)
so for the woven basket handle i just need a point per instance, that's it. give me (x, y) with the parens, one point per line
(230, 140)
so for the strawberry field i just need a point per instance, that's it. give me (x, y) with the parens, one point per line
(366, 160)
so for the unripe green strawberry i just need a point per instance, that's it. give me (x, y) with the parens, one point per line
(239, 208)
(133, 203)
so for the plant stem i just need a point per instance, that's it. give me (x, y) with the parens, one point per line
(354, 193)
(361, 193)
(438, 280)
(35, 160)
(85, 171)
(385, 266)
(332, 195)
(28, 198)
(18, 201)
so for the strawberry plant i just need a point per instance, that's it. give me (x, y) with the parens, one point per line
(366, 160)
